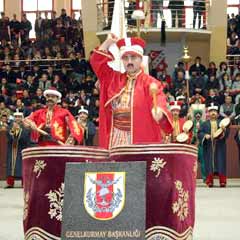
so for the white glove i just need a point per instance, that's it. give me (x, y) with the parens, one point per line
(157, 114)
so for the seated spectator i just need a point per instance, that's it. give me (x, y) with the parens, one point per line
(10, 75)
(233, 44)
(44, 82)
(225, 82)
(177, 67)
(57, 83)
(30, 85)
(179, 82)
(197, 67)
(223, 68)
(212, 69)
(227, 109)
(39, 96)
(197, 98)
(235, 91)
(26, 100)
(4, 109)
(4, 87)
(197, 81)
(212, 83)
(236, 70)
(212, 98)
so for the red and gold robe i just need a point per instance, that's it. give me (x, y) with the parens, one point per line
(61, 119)
(144, 129)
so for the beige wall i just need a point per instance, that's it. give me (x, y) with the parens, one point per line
(201, 49)
(59, 4)
(89, 18)
(217, 23)
(13, 6)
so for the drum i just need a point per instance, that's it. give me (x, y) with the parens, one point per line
(187, 126)
(182, 138)
(218, 133)
(225, 123)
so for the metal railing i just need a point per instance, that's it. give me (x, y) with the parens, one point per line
(233, 60)
(42, 63)
(186, 15)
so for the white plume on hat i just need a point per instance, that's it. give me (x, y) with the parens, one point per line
(17, 113)
(82, 110)
(213, 107)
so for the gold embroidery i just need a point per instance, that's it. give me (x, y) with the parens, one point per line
(195, 167)
(76, 127)
(157, 165)
(26, 200)
(180, 207)
(56, 203)
(58, 130)
(39, 167)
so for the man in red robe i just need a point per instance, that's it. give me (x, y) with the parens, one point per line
(175, 108)
(132, 104)
(51, 122)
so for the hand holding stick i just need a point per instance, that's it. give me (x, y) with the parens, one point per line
(33, 126)
(153, 90)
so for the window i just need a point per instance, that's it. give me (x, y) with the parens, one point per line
(233, 7)
(76, 8)
(32, 7)
(1, 5)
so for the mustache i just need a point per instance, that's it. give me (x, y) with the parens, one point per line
(50, 101)
(130, 65)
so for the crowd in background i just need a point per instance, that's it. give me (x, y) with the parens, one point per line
(233, 34)
(22, 83)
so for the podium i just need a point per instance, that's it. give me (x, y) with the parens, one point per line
(170, 186)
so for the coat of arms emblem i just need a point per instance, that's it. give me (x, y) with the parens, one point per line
(104, 194)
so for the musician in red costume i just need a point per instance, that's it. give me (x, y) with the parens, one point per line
(51, 122)
(132, 104)
(178, 122)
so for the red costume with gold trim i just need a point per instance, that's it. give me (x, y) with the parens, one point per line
(144, 129)
(61, 119)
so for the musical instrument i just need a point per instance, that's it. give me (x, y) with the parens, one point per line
(187, 126)
(182, 138)
(224, 123)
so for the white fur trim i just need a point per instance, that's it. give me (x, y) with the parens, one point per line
(18, 114)
(172, 107)
(83, 110)
(52, 92)
(213, 108)
(134, 48)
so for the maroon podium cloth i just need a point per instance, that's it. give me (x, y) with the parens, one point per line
(171, 177)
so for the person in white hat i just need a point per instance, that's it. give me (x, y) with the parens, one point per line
(52, 122)
(129, 100)
(214, 147)
(87, 125)
(18, 139)
(178, 122)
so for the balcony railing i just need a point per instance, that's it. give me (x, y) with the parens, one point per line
(190, 14)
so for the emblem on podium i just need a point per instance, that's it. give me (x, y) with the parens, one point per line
(104, 194)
